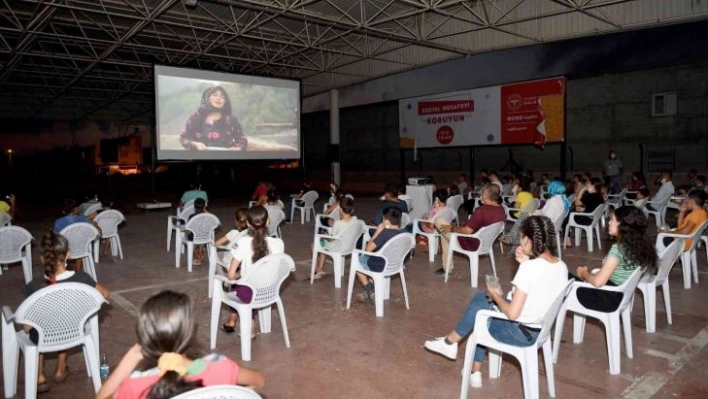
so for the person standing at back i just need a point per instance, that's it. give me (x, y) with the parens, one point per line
(612, 170)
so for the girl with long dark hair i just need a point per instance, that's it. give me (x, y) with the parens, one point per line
(170, 357)
(213, 125)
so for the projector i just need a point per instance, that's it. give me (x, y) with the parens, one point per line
(419, 181)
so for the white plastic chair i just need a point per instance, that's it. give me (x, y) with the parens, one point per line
(306, 208)
(82, 238)
(611, 320)
(614, 201)
(319, 225)
(660, 212)
(454, 203)
(527, 356)
(689, 261)
(274, 221)
(220, 392)
(202, 227)
(347, 239)
(265, 278)
(446, 215)
(93, 208)
(5, 219)
(65, 316)
(486, 236)
(16, 246)
(224, 261)
(408, 200)
(558, 223)
(675, 203)
(394, 254)
(648, 283)
(596, 216)
(176, 223)
(108, 221)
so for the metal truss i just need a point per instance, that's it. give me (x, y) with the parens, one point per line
(77, 59)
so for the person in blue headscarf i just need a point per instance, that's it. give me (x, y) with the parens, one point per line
(557, 204)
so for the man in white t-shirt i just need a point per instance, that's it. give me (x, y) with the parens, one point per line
(494, 179)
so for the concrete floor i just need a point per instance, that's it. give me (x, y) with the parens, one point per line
(343, 353)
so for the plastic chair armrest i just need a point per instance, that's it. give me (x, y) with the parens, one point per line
(484, 315)
(7, 313)
(574, 214)
(673, 235)
(362, 252)
(226, 279)
(327, 236)
(583, 284)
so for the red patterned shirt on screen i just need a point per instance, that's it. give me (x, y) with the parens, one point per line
(225, 132)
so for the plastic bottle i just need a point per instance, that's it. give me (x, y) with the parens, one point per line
(104, 369)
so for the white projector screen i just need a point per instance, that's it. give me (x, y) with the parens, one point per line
(203, 115)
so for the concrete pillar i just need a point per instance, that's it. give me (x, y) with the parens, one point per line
(334, 134)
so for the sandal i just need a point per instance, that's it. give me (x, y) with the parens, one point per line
(61, 378)
(228, 329)
(42, 388)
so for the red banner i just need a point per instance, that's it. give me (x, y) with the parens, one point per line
(533, 112)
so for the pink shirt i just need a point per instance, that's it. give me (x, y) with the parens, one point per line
(219, 370)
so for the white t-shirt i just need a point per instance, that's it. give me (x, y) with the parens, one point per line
(665, 191)
(542, 282)
(233, 235)
(553, 209)
(244, 250)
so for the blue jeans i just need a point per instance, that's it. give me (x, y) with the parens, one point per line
(505, 331)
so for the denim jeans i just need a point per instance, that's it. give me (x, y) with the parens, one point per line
(505, 331)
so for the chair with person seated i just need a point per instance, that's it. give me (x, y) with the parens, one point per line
(108, 222)
(5, 219)
(394, 253)
(176, 223)
(64, 316)
(558, 224)
(93, 208)
(347, 239)
(446, 215)
(596, 217)
(659, 211)
(199, 230)
(305, 205)
(487, 236)
(264, 278)
(82, 238)
(689, 262)
(220, 392)
(454, 203)
(648, 283)
(614, 201)
(16, 246)
(225, 261)
(527, 356)
(274, 224)
(611, 320)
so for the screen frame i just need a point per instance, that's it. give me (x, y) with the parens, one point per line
(189, 73)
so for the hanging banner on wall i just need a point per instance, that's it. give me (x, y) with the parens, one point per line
(519, 113)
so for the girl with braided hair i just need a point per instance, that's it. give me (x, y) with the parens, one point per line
(538, 282)
(54, 251)
(249, 250)
(168, 358)
(213, 125)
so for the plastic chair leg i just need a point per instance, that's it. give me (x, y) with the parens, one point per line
(379, 291)
(190, 256)
(119, 247)
(694, 265)
(612, 335)
(31, 369)
(529, 374)
(467, 367)
(178, 249)
(560, 320)
(686, 266)
(491, 259)
(667, 300)
(215, 315)
(626, 318)
(314, 264)
(283, 322)
(650, 307)
(90, 350)
(474, 269)
(577, 237)
(245, 320)
(264, 320)
(405, 290)
(387, 288)
(548, 363)
(169, 234)
(10, 360)
(578, 328)
(432, 248)
(338, 262)
(27, 270)
(352, 277)
(589, 234)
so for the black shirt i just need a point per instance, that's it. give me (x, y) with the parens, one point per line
(77, 277)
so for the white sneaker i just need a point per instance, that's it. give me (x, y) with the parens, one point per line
(476, 379)
(439, 346)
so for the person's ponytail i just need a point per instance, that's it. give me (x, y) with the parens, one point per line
(258, 220)
(53, 250)
(170, 385)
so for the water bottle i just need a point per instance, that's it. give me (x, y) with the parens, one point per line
(105, 369)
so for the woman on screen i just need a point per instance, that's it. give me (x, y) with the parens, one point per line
(213, 125)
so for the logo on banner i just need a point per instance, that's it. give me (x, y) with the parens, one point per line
(514, 102)
(445, 134)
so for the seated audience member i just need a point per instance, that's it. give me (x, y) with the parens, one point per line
(488, 213)
(199, 208)
(261, 191)
(195, 191)
(306, 187)
(334, 193)
(8, 205)
(516, 185)
(541, 277)
(578, 184)
(240, 224)
(346, 214)
(632, 249)
(523, 201)
(543, 183)
(701, 183)
(439, 203)
(461, 184)
(168, 350)
(638, 181)
(494, 179)
(248, 251)
(556, 204)
(590, 198)
(690, 217)
(507, 185)
(453, 191)
(692, 173)
(386, 230)
(273, 204)
(642, 197)
(665, 191)
(71, 216)
(391, 200)
(53, 252)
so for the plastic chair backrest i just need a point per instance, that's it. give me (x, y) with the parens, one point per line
(558, 223)
(350, 235)
(394, 252)
(12, 240)
(108, 221)
(696, 235)
(80, 235)
(310, 197)
(487, 236)
(616, 199)
(531, 206)
(220, 392)
(597, 213)
(5, 219)
(446, 214)
(667, 258)
(187, 211)
(93, 208)
(203, 226)
(546, 321)
(455, 202)
(405, 219)
(59, 313)
(266, 276)
(226, 259)
(276, 217)
(629, 286)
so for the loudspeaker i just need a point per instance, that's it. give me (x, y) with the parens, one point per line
(333, 153)
(109, 151)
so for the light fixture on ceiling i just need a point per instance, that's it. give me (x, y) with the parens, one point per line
(190, 3)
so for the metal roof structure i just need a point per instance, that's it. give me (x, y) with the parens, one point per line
(77, 59)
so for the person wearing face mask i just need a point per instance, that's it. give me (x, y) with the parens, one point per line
(612, 170)
(213, 125)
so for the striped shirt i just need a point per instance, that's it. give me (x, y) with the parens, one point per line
(624, 268)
